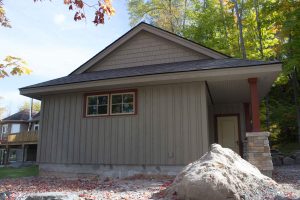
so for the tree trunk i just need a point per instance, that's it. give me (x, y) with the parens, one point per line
(224, 20)
(171, 16)
(296, 95)
(238, 13)
(184, 14)
(258, 26)
(267, 112)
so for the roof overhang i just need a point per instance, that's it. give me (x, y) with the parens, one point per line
(266, 75)
(13, 121)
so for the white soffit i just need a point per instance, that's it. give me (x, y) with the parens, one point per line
(237, 90)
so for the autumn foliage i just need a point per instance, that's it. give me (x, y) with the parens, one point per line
(102, 8)
(3, 20)
(16, 65)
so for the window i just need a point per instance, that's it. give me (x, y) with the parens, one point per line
(36, 127)
(111, 103)
(122, 103)
(15, 128)
(97, 105)
(4, 128)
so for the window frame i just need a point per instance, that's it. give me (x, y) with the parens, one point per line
(4, 127)
(122, 93)
(96, 95)
(36, 125)
(17, 128)
(110, 93)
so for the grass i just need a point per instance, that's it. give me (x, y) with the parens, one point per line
(8, 172)
(288, 148)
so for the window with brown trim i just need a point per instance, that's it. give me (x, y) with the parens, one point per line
(110, 103)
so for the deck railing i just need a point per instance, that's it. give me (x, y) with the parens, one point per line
(23, 137)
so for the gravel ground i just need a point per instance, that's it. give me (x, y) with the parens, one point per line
(138, 187)
(288, 177)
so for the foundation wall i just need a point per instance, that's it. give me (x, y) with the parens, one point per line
(115, 171)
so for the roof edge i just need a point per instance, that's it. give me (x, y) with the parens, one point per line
(34, 90)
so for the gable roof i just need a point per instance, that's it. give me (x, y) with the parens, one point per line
(186, 66)
(21, 116)
(154, 30)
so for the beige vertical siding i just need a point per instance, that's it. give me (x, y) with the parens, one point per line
(170, 128)
(146, 49)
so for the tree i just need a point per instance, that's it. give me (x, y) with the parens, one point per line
(101, 7)
(239, 15)
(168, 14)
(13, 66)
(36, 106)
(258, 29)
(291, 30)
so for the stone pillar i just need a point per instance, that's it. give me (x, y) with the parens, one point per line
(259, 153)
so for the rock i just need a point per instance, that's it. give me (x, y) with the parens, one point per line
(288, 161)
(274, 151)
(277, 160)
(221, 174)
(297, 159)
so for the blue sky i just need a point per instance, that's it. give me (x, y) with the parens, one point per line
(53, 44)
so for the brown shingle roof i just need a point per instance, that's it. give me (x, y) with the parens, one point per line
(22, 115)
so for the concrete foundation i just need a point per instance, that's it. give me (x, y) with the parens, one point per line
(115, 171)
(259, 151)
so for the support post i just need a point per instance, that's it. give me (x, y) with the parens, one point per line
(6, 156)
(254, 104)
(247, 117)
(23, 153)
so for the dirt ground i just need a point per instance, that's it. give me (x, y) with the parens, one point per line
(138, 187)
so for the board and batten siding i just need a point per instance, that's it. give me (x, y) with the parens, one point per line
(170, 128)
(146, 49)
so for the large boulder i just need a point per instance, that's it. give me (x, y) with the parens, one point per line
(222, 174)
(297, 157)
(277, 160)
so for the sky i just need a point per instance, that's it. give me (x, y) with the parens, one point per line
(45, 35)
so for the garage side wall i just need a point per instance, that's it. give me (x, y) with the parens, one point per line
(170, 128)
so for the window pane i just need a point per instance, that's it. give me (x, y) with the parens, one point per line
(128, 108)
(116, 99)
(102, 100)
(92, 100)
(127, 98)
(116, 108)
(92, 110)
(102, 110)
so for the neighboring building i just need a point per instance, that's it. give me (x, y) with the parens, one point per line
(18, 137)
(151, 102)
